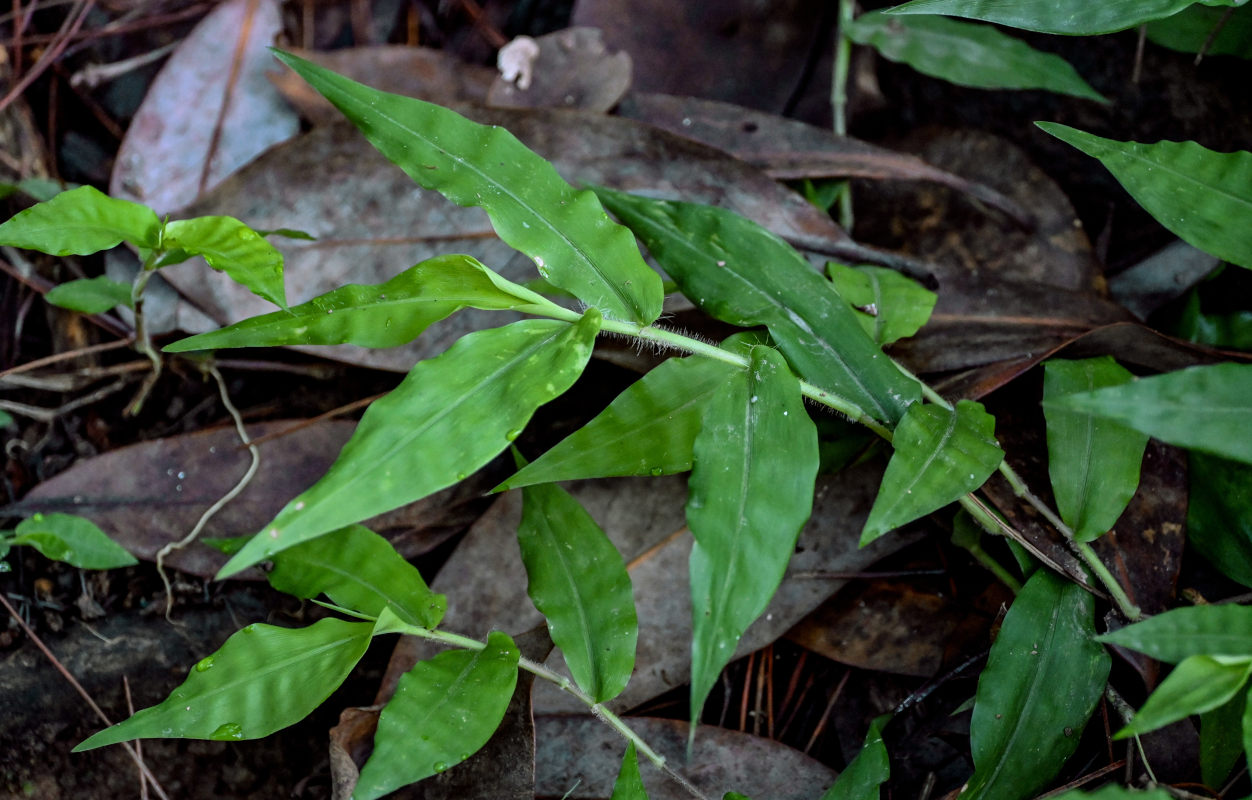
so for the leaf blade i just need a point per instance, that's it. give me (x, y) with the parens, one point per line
(450, 415)
(1224, 630)
(890, 306)
(578, 581)
(1198, 684)
(90, 295)
(565, 232)
(1203, 196)
(228, 245)
(80, 222)
(868, 771)
(629, 785)
(1067, 17)
(73, 539)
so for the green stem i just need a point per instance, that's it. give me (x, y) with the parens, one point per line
(839, 98)
(995, 568)
(539, 670)
(143, 342)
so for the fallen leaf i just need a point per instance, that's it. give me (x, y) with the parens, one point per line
(573, 70)
(209, 111)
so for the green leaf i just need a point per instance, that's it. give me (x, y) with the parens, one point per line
(80, 222)
(385, 314)
(868, 771)
(1224, 630)
(1093, 463)
(358, 569)
(90, 295)
(889, 305)
(1219, 514)
(1191, 29)
(578, 581)
(740, 273)
(228, 245)
(1221, 739)
(6, 419)
(1203, 196)
(40, 189)
(262, 679)
(1203, 408)
(1043, 679)
(939, 456)
(1197, 684)
(1228, 331)
(648, 429)
(1114, 792)
(1067, 17)
(751, 491)
(629, 786)
(448, 417)
(72, 539)
(566, 232)
(443, 711)
(967, 54)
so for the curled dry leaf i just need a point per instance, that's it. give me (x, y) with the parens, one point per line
(209, 111)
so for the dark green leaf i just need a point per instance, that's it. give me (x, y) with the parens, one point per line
(868, 771)
(578, 581)
(566, 232)
(443, 711)
(1221, 740)
(740, 273)
(629, 786)
(72, 539)
(1219, 514)
(1093, 462)
(1232, 331)
(288, 233)
(890, 306)
(448, 417)
(939, 456)
(80, 222)
(228, 245)
(39, 189)
(379, 315)
(1070, 17)
(358, 569)
(967, 54)
(262, 680)
(90, 295)
(751, 490)
(1197, 684)
(1043, 678)
(1203, 408)
(1203, 196)
(1114, 792)
(1191, 30)
(647, 430)
(1224, 630)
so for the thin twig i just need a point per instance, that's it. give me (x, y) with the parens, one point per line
(56, 358)
(73, 22)
(212, 510)
(130, 708)
(78, 687)
(830, 705)
(49, 414)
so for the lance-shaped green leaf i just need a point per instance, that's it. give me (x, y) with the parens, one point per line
(1043, 679)
(1224, 630)
(358, 569)
(939, 456)
(262, 679)
(90, 295)
(740, 273)
(448, 417)
(629, 785)
(443, 711)
(73, 540)
(967, 54)
(890, 306)
(1093, 462)
(1203, 196)
(228, 245)
(566, 232)
(1197, 684)
(80, 222)
(1067, 17)
(1219, 514)
(385, 314)
(1203, 408)
(868, 771)
(751, 491)
(578, 581)
(648, 429)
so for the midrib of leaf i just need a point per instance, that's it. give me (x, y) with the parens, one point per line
(402, 442)
(1132, 153)
(272, 667)
(934, 454)
(737, 539)
(790, 315)
(461, 678)
(1088, 448)
(580, 609)
(506, 190)
(1033, 691)
(875, 286)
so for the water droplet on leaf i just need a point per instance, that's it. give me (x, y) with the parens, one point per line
(205, 664)
(513, 434)
(227, 731)
(441, 766)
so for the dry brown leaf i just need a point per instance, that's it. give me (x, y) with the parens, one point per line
(573, 70)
